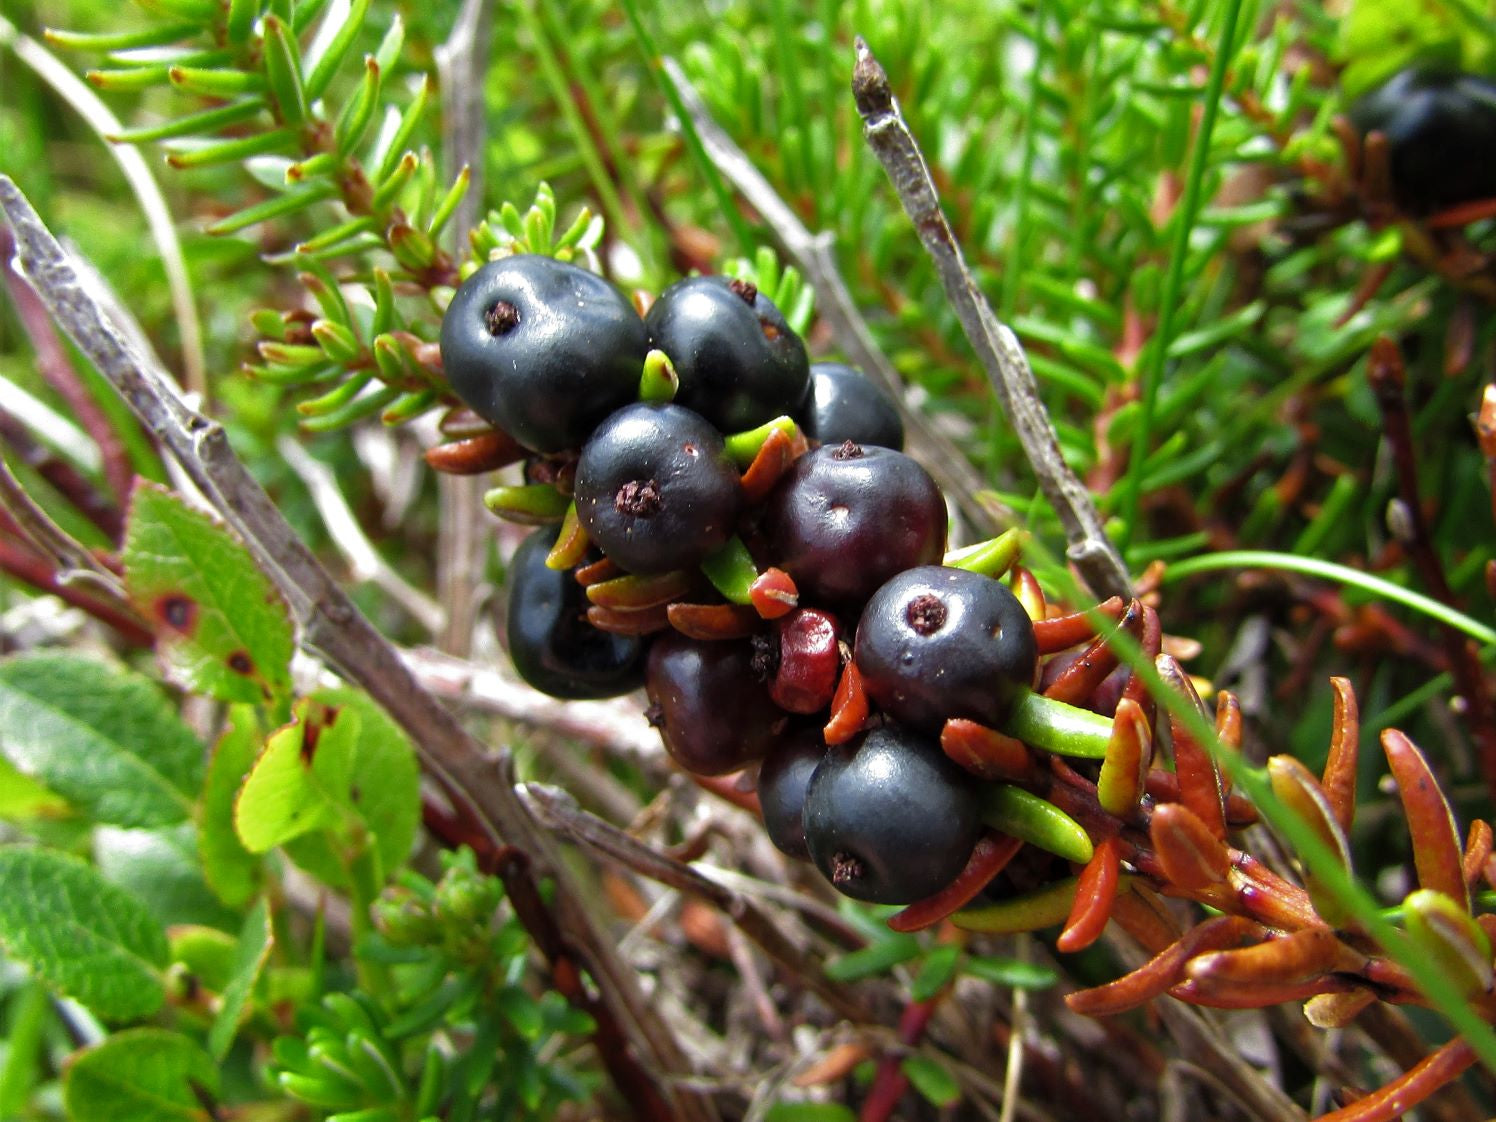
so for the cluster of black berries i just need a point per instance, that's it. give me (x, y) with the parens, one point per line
(752, 574)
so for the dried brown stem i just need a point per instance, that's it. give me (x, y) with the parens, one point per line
(559, 812)
(998, 349)
(332, 625)
(462, 62)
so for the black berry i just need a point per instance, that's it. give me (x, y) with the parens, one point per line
(740, 364)
(936, 642)
(542, 349)
(782, 782)
(845, 404)
(712, 709)
(848, 517)
(891, 820)
(655, 489)
(552, 645)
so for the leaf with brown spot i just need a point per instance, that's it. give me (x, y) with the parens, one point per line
(300, 792)
(221, 627)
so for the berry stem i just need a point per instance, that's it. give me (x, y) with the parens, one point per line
(992, 558)
(1024, 815)
(1056, 726)
(744, 446)
(659, 382)
(732, 571)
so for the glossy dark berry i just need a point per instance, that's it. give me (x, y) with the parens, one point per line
(847, 517)
(1441, 131)
(891, 820)
(709, 703)
(551, 644)
(655, 488)
(782, 782)
(542, 349)
(845, 404)
(936, 642)
(740, 364)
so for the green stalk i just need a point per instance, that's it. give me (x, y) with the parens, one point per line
(1341, 574)
(725, 201)
(1184, 223)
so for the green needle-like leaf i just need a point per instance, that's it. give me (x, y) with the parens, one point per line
(283, 73)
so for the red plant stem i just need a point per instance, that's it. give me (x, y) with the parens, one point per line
(890, 1083)
(55, 366)
(25, 565)
(1387, 376)
(103, 511)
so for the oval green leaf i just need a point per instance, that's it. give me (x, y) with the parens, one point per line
(143, 1075)
(82, 935)
(221, 626)
(232, 871)
(105, 739)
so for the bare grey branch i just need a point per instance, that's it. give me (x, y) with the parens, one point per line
(997, 348)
